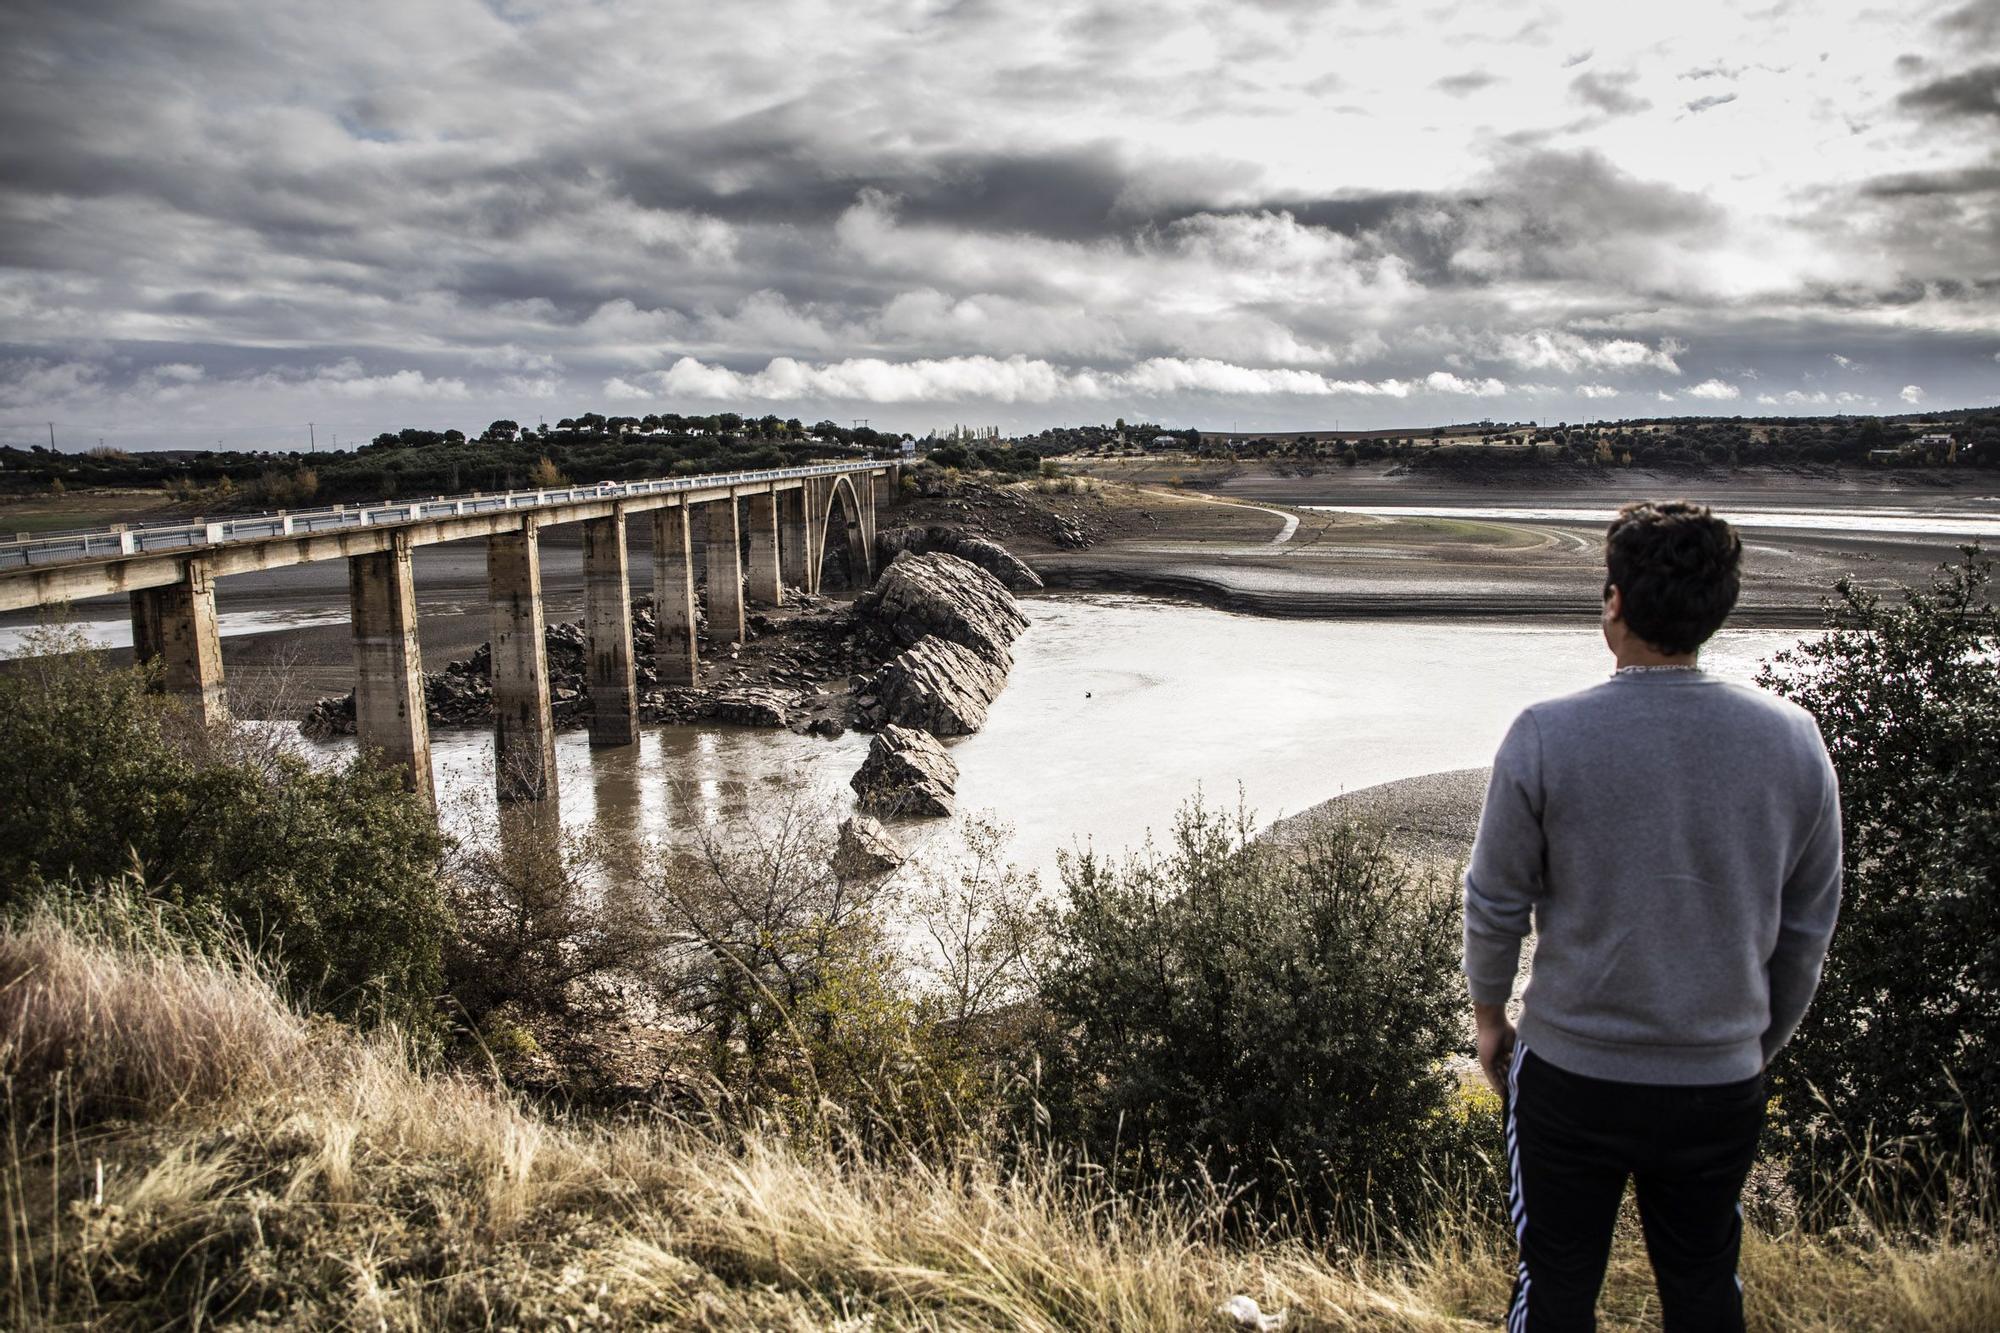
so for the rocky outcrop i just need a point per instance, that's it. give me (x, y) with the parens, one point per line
(934, 685)
(865, 850)
(906, 773)
(942, 594)
(755, 706)
(990, 556)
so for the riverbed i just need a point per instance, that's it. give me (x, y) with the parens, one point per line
(1120, 708)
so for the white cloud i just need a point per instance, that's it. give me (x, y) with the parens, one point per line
(1715, 390)
(1443, 381)
(348, 379)
(35, 381)
(1596, 391)
(1845, 363)
(1912, 394)
(1015, 379)
(1817, 398)
(620, 390)
(1547, 349)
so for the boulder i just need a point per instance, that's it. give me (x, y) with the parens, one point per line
(934, 685)
(865, 850)
(906, 773)
(989, 555)
(942, 594)
(753, 706)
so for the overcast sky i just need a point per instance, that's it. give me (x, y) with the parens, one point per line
(219, 221)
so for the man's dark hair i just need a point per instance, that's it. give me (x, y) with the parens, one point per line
(1675, 565)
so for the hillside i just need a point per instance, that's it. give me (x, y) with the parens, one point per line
(186, 1151)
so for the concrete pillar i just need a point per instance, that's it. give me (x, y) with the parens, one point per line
(177, 625)
(389, 710)
(607, 618)
(792, 537)
(524, 735)
(868, 497)
(766, 589)
(725, 572)
(677, 658)
(815, 553)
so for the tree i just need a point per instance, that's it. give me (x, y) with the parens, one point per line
(331, 871)
(545, 474)
(1902, 1043)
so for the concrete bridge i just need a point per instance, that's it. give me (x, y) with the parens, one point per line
(787, 518)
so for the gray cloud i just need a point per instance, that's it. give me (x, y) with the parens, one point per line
(1609, 93)
(1975, 22)
(1972, 94)
(207, 227)
(1465, 83)
(1701, 104)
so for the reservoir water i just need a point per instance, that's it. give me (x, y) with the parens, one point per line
(1118, 709)
(1882, 521)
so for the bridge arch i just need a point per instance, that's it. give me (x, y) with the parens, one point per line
(846, 529)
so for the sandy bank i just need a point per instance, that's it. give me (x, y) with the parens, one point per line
(1431, 818)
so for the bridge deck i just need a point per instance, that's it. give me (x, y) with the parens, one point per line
(73, 566)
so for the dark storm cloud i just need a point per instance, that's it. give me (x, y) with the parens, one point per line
(1973, 94)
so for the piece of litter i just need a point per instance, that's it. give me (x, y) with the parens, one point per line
(1244, 1313)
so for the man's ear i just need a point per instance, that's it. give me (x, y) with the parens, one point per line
(1614, 602)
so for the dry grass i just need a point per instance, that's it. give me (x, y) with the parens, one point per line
(183, 1151)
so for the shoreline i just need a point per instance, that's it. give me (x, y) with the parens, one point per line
(1219, 595)
(1430, 818)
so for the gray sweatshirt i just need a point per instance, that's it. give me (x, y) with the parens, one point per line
(1674, 840)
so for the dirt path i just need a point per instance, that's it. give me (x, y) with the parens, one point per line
(1291, 520)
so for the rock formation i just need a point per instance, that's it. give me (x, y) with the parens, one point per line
(934, 685)
(990, 556)
(945, 595)
(865, 850)
(906, 773)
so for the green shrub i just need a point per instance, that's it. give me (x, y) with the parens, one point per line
(331, 872)
(1898, 1053)
(1274, 1017)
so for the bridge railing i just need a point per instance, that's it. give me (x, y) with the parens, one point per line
(109, 543)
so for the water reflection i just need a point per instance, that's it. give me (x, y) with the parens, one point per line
(1118, 709)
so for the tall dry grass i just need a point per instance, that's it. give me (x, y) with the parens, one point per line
(183, 1151)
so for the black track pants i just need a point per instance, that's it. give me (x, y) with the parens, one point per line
(1572, 1142)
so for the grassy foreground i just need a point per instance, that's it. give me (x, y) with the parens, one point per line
(183, 1150)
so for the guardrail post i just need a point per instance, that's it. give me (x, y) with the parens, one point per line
(176, 625)
(676, 657)
(725, 571)
(767, 588)
(389, 704)
(524, 734)
(607, 587)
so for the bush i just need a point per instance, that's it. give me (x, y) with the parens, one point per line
(1274, 1017)
(333, 873)
(1898, 1053)
(794, 979)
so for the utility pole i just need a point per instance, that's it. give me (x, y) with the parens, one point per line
(52, 437)
(312, 439)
